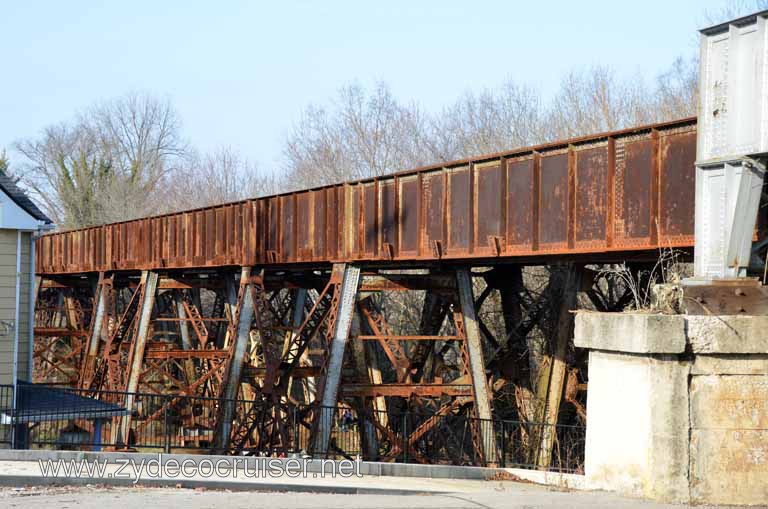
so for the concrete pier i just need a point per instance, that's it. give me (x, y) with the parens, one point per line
(678, 406)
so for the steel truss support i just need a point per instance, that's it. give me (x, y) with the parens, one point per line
(367, 362)
(297, 318)
(433, 313)
(515, 363)
(186, 340)
(363, 375)
(240, 327)
(148, 289)
(103, 289)
(61, 330)
(338, 341)
(554, 377)
(474, 348)
(283, 332)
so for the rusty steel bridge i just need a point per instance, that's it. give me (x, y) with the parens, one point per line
(282, 299)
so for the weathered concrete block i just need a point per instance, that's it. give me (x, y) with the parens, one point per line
(729, 402)
(630, 332)
(729, 466)
(729, 441)
(672, 427)
(614, 461)
(727, 334)
(730, 364)
(668, 447)
(637, 434)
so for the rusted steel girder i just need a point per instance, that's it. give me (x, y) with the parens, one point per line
(406, 390)
(605, 196)
(103, 293)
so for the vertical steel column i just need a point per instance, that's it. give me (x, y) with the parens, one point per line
(242, 315)
(60, 317)
(297, 318)
(557, 371)
(181, 313)
(515, 363)
(374, 372)
(432, 316)
(92, 350)
(70, 312)
(338, 344)
(477, 365)
(366, 428)
(149, 287)
(230, 306)
(186, 342)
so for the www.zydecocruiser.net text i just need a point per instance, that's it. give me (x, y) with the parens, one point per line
(166, 467)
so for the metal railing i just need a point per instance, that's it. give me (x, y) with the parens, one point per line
(177, 423)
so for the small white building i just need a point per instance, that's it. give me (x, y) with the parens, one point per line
(20, 222)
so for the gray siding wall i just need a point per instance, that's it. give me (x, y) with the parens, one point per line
(8, 305)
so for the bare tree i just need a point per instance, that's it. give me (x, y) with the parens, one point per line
(734, 9)
(218, 177)
(677, 90)
(596, 100)
(365, 134)
(65, 173)
(106, 165)
(490, 121)
(141, 134)
(362, 135)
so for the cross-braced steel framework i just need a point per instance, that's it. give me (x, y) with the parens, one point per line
(265, 342)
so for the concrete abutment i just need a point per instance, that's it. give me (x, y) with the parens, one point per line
(677, 406)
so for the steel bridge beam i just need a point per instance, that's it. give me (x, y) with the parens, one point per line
(186, 341)
(507, 207)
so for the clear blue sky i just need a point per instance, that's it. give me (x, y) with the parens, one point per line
(240, 72)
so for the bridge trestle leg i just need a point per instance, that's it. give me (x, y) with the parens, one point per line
(476, 360)
(334, 362)
(240, 327)
(148, 288)
(551, 385)
(102, 294)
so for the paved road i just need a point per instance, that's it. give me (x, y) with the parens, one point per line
(500, 495)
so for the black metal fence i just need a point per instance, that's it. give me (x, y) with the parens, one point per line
(174, 423)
